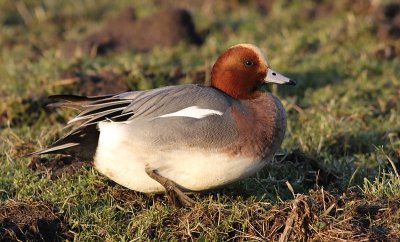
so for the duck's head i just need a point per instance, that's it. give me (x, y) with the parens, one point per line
(241, 70)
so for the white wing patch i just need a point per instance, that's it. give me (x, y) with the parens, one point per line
(193, 112)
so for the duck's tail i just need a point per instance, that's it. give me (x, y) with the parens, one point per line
(82, 141)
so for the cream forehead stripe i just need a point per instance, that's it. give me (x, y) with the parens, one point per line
(261, 55)
(192, 112)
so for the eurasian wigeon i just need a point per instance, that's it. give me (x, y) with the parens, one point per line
(182, 138)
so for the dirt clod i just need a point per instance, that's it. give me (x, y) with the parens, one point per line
(165, 28)
(32, 221)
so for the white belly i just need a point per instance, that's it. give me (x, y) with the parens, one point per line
(123, 160)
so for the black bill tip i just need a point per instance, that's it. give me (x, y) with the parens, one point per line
(292, 82)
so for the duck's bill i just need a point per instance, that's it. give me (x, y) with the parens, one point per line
(275, 77)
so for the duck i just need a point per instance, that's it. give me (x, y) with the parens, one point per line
(185, 138)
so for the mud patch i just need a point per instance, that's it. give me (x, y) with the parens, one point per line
(32, 221)
(165, 28)
(57, 166)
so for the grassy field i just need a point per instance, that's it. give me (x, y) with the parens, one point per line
(336, 177)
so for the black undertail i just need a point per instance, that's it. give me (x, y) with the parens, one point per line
(81, 143)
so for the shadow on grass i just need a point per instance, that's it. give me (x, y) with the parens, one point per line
(29, 112)
(312, 80)
(359, 142)
(301, 170)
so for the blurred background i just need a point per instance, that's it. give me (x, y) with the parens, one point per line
(144, 44)
(343, 116)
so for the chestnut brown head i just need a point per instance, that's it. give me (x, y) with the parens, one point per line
(242, 69)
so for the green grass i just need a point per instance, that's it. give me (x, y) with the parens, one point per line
(344, 116)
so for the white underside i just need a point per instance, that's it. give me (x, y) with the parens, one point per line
(123, 159)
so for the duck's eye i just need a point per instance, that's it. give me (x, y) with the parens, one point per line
(248, 63)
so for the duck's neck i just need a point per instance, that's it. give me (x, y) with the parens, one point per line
(261, 124)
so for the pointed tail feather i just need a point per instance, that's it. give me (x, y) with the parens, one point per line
(81, 143)
(53, 149)
(73, 101)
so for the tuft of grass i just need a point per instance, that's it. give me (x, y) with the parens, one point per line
(387, 185)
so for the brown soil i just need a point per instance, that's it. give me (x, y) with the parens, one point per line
(165, 28)
(57, 166)
(32, 221)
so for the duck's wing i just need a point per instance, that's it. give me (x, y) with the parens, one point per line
(161, 102)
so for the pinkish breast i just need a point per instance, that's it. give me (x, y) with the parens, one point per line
(261, 124)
